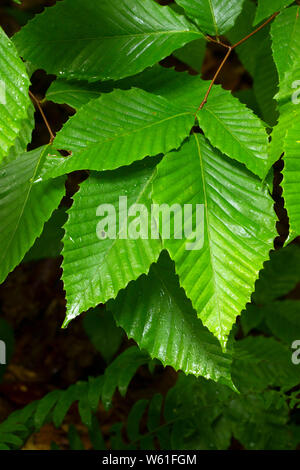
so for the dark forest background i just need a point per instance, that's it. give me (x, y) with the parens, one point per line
(45, 357)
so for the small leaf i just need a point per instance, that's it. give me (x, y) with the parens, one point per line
(266, 8)
(214, 17)
(235, 130)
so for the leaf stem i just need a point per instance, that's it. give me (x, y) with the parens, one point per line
(214, 79)
(256, 30)
(211, 39)
(229, 49)
(38, 104)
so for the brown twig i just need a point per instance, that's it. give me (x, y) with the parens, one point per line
(214, 79)
(38, 104)
(211, 39)
(256, 30)
(230, 48)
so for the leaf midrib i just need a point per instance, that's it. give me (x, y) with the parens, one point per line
(213, 17)
(117, 136)
(120, 36)
(208, 234)
(294, 29)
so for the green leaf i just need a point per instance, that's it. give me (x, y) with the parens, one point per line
(247, 51)
(74, 439)
(96, 436)
(24, 207)
(251, 318)
(256, 56)
(227, 123)
(290, 86)
(45, 406)
(78, 93)
(260, 421)
(238, 227)
(266, 8)
(279, 276)
(157, 79)
(154, 423)
(283, 319)
(214, 17)
(103, 332)
(235, 130)
(134, 419)
(156, 313)
(289, 114)
(103, 40)
(291, 178)
(23, 138)
(266, 83)
(192, 54)
(14, 99)
(154, 412)
(66, 399)
(89, 267)
(95, 391)
(247, 97)
(195, 406)
(112, 139)
(121, 371)
(75, 93)
(285, 33)
(49, 244)
(263, 362)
